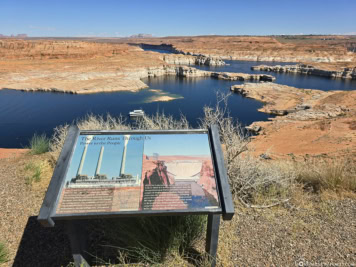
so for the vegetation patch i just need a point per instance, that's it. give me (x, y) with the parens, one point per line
(329, 174)
(3, 253)
(33, 173)
(149, 240)
(39, 144)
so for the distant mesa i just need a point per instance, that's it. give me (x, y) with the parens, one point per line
(141, 35)
(21, 35)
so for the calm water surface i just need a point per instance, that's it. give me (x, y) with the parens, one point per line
(24, 113)
(291, 79)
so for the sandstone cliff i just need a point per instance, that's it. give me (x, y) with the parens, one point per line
(346, 73)
(86, 81)
(193, 60)
(308, 121)
(265, 48)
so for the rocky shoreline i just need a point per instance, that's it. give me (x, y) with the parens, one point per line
(346, 73)
(179, 57)
(306, 122)
(193, 60)
(98, 82)
(290, 102)
(263, 48)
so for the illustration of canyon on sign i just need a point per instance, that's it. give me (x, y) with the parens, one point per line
(115, 173)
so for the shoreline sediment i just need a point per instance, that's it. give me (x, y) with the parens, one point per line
(88, 83)
(345, 73)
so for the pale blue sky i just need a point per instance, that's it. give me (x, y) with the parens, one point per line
(177, 144)
(111, 161)
(119, 18)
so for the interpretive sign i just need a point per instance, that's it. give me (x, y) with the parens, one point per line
(135, 173)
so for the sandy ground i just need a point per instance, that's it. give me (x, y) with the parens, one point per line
(11, 153)
(310, 228)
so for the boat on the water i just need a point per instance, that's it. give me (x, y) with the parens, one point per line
(136, 113)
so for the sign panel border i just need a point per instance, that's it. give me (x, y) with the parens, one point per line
(48, 215)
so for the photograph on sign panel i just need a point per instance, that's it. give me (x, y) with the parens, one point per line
(104, 175)
(178, 173)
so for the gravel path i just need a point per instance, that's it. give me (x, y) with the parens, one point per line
(315, 234)
(28, 243)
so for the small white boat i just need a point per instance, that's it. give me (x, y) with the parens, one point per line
(137, 113)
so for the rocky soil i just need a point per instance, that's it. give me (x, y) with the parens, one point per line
(308, 231)
(307, 122)
(310, 228)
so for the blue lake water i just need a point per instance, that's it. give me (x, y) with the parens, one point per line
(163, 51)
(24, 113)
(291, 79)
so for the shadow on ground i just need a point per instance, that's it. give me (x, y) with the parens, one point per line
(42, 246)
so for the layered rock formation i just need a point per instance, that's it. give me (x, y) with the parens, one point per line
(346, 73)
(263, 48)
(80, 67)
(179, 59)
(193, 60)
(291, 102)
(51, 49)
(164, 47)
(90, 81)
(309, 121)
(182, 58)
(208, 61)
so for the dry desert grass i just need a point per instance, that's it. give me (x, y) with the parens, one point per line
(280, 218)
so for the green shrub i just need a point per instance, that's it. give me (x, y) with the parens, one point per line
(39, 144)
(150, 240)
(33, 173)
(3, 253)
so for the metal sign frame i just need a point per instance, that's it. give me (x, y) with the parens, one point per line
(48, 216)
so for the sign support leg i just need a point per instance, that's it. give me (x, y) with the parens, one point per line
(212, 236)
(78, 242)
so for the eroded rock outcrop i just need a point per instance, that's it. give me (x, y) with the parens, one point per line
(346, 73)
(81, 82)
(290, 102)
(193, 60)
(310, 121)
(266, 48)
(208, 61)
(179, 59)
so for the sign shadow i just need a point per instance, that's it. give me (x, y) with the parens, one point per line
(40, 246)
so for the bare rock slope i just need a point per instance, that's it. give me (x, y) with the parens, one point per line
(308, 122)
